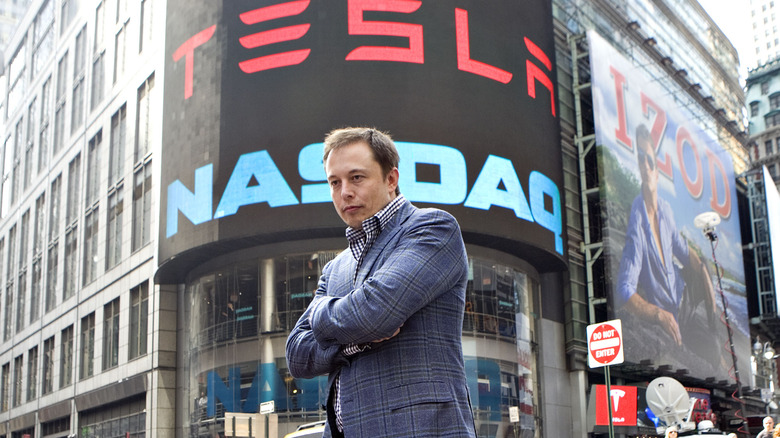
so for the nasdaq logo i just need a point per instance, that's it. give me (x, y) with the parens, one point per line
(256, 179)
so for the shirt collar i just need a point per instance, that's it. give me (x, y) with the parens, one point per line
(372, 226)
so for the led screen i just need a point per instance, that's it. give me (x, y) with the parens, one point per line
(465, 88)
(659, 171)
(773, 217)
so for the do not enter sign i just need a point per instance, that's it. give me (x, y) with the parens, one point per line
(605, 343)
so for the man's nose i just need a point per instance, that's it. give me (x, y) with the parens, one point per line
(346, 191)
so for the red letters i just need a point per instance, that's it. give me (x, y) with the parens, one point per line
(534, 73)
(188, 49)
(465, 62)
(723, 209)
(281, 34)
(358, 26)
(695, 187)
(621, 133)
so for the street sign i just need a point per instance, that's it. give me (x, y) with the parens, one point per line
(514, 414)
(605, 343)
(267, 407)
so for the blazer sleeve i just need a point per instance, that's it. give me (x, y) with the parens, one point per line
(427, 260)
(306, 358)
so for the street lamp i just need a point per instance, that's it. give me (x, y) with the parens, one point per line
(764, 350)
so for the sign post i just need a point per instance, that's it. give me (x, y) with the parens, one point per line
(605, 348)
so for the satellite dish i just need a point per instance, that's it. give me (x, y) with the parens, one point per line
(669, 401)
(706, 220)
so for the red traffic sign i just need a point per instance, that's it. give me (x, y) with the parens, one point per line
(605, 343)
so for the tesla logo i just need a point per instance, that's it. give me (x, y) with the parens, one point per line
(538, 64)
(624, 405)
(616, 395)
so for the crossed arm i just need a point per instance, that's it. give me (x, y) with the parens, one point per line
(426, 260)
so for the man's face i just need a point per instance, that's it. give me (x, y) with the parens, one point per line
(648, 169)
(357, 185)
(768, 423)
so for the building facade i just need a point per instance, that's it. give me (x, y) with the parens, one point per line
(164, 221)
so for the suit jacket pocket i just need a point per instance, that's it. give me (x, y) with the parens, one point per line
(408, 394)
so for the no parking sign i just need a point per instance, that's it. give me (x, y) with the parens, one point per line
(605, 343)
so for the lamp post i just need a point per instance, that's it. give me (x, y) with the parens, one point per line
(765, 355)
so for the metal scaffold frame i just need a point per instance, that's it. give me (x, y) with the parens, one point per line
(591, 247)
(762, 253)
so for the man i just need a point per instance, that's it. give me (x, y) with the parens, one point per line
(651, 286)
(769, 425)
(386, 320)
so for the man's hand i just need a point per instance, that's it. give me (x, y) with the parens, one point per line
(395, 333)
(669, 324)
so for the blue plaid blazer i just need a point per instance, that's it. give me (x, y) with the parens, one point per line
(413, 385)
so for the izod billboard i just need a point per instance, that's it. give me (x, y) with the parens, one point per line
(466, 88)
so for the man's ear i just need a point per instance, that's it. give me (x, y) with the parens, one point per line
(392, 179)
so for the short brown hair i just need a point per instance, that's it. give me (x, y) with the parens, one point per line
(380, 143)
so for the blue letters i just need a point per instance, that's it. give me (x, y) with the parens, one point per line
(271, 187)
(497, 185)
(194, 206)
(539, 185)
(452, 185)
(486, 191)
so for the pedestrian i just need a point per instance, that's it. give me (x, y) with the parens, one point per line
(385, 323)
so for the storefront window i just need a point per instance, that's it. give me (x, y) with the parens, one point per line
(237, 319)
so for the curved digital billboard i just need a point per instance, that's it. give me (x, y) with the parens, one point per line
(466, 88)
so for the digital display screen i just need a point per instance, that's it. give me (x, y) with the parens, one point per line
(465, 88)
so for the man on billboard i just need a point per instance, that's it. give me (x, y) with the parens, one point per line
(662, 281)
(386, 321)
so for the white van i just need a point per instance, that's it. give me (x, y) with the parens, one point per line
(309, 430)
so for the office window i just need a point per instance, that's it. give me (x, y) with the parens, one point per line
(30, 149)
(48, 366)
(21, 291)
(35, 291)
(43, 36)
(66, 357)
(768, 147)
(71, 263)
(147, 21)
(145, 125)
(16, 172)
(43, 137)
(60, 101)
(54, 208)
(93, 168)
(86, 362)
(765, 85)
(52, 279)
(71, 229)
(74, 190)
(79, 67)
(40, 222)
(142, 205)
(18, 375)
(10, 274)
(139, 315)
(37, 270)
(98, 58)
(17, 79)
(6, 389)
(120, 49)
(117, 147)
(111, 334)
(32, 374)
(774, 101)
(753, 109)
(114, 228)
(69, 9)
(90, 246)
